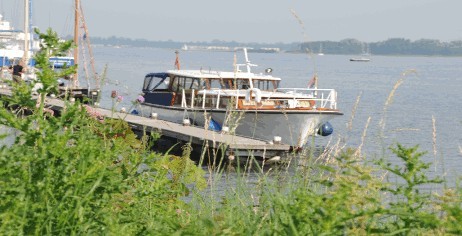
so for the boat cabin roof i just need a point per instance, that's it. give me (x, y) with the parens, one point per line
(203, 74)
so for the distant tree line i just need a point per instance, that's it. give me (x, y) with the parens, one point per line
(121, 41)
(393, 46)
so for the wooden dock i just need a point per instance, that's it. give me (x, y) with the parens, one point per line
(233, 145)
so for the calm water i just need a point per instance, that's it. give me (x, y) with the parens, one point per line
(433, 91)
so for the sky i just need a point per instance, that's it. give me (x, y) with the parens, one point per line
(263, 21)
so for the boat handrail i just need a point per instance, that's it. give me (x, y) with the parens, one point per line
(318, 95)
(324, 98)
(302, 89)
(183, 99)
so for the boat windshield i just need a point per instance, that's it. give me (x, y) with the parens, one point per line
(156, 82)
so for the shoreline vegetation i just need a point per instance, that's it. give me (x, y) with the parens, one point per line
(392, 46)
(75, 174)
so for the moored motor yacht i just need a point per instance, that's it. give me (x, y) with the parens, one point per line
(240, 102)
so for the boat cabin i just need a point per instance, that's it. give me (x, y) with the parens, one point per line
(195, 89)
(168, 88)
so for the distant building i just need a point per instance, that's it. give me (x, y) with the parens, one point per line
(204, 48)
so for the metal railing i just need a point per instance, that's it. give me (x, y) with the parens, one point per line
(323, 98)
(327, 98)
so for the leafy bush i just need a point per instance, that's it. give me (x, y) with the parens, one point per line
(77, 174)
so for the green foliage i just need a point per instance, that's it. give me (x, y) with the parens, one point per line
(411, 210)
(76, 174)
(21, 99)
(342, 196)
(451, 205)
(51, 46)
(70, 179)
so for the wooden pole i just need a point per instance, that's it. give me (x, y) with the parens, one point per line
(76, 41)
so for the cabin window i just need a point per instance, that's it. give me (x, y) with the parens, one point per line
(152, 82)
(163, 84)
(275, 84)
(175, 85)
(229, 84)
(265, 84)
(237, 83)
(259, 84)
(147, 81)
(244, 84)
(186, 83)
(192, 83)
(215, 83)
(159, 84)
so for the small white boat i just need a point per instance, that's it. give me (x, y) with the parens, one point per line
(361, 59)
(365, 56)
(243, 103)
(320, 53)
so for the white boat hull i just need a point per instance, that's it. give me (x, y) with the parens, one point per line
(293, 127)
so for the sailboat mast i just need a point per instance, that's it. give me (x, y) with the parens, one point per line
(76, 40)
(88, 44)
(26, 32)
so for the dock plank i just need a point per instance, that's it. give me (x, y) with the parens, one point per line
(199, 135)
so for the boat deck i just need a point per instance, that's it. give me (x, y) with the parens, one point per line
(233, 145)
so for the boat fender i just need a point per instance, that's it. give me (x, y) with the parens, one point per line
(215, 126)
(249, 92)
(326, 129)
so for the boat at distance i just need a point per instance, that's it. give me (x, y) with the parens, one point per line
(13, 43)
(240, 102)
(365, 55)
(320, 53)
(61, 62)
(360, 59)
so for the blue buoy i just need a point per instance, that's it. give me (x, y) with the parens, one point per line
(135, 112)
(326, 129)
